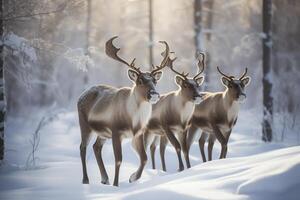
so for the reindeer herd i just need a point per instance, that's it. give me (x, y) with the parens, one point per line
(141, 113)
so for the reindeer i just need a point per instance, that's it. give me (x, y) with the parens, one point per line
(117, 113)
(217, 114)
(171, 115)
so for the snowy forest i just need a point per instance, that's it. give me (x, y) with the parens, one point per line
(53, 51)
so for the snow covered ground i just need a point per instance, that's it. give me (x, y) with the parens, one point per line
(253, 169)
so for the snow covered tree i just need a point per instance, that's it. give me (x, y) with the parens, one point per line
(267, 82)
(209, 14)
(87, 34)
(2, 94)
(150, 33)
(198, 27)
(203, 20)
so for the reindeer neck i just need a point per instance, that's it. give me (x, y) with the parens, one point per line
(186, 107)
(229, 103)
(135, 95)
(138, 108)
(228, 100)
(180, 99)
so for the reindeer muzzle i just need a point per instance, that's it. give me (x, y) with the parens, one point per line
(197, 98)
(242, 97)
(153, 96)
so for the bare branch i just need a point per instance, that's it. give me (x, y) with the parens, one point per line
(60, 8)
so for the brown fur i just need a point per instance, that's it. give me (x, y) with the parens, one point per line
(217, 114)
(211, 116)
(104, 110)
(118, 113)
(166, 120)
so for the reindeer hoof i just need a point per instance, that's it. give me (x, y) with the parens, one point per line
(180, 169)
(133, 177)
(105, 182)
(85, 181)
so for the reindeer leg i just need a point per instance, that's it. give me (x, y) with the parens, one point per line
(177, 147)
(227, 139)
(201, 142)
(220, 137)
(152, 150)
(117, 147)
(211, 142)
(162, 149)
(85, 178)
(224, 151)
(140, 149)
(190, 136)
(85, 138)
(98, 154)
(148, 137)
(185, 149)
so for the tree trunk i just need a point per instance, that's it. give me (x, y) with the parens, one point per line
(87, 35)
(198, 25)
(199, 39)
(209, 5)
(267, 82)
(2, 89)
(150, 34)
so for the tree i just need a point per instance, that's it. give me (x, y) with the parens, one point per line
(267, 82)
(209, 5)
(87, 35)
(198, 25)
(203, 19)
(11, 12)
(2, 89)
(150, 34)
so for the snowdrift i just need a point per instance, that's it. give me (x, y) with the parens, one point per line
(253, 169)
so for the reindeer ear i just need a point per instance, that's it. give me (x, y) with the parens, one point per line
(179, 80)
(157, 75)
(199, 80)
(246, 81)
(225, 81)
(133, 75)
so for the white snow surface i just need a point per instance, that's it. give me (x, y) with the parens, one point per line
(253, 169)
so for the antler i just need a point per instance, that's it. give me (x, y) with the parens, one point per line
(200, 62)
(166, 59)
(230, 77)
(244, 74)
(170, 64)
(112, 52)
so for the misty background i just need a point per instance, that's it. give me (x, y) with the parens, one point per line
(53, 50)
(56, 50)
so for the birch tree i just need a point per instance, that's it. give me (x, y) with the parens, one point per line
(150, 33)
(267, 82)
(198, 25)
(2, 91)
(87, 35)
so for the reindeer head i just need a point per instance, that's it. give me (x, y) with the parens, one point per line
(235, 86)
(145, 82)
(190, 87)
